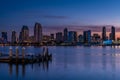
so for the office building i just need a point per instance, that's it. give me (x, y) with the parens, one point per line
(4, 37)
(80, 38)
(38, 32)
(112, 33)
(72, 36)
(20, 37)
(65, 37)
(59, 37)
(14, 37)
(52, 36)
(87, 36)
(104, 33)
(24, 34)
(96, 38)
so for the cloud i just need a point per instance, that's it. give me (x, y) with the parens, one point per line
(93, 28)
(55, 17)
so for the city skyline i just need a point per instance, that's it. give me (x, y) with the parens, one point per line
(59, 39)
(61, 36)
(42, 31)
(55, 15)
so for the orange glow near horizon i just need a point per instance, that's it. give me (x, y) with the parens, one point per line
(117, 34)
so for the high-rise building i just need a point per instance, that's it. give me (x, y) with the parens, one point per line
(20, 37)
(65, 37)
(110, 36)
(80, 38)
(87, 36)
(112, 33)
(103, 33)
(96, 38)
(59, 37)
(46, 38)
(31, 39)
(25, 34)
(38, 32)
(52, 36)
(72, 36)
(4, 37)
(13, 38)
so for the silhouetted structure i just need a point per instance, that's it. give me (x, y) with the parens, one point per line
(110, 36)
(96, 38)
(46, 38)
(80, 38)
(24, 34)
(72, 36)
(52, 36)
(112, 33)
(25, 59)
(20, 37)
(4, 37)
(104, 33)
(14, 37)
(65, 37)
(59, 37)
(87, 36)
(38, 32)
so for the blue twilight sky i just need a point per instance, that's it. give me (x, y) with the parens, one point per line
(15, 13)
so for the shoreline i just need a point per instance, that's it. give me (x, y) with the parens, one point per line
(62, 45)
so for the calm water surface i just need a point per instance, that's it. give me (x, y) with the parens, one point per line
(69, 63)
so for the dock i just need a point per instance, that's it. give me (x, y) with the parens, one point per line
(25, 59)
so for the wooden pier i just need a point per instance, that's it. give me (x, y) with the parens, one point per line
(26, 59)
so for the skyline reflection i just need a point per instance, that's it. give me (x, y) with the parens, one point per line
(21, 68)
(99, 63)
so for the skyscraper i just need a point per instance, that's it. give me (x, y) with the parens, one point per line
(13, 38)
(96, 37)
(72, 36)
(38, 32)
(65, 37)
(25, 34)
(80, 38)
(59, 37)
(20, 37)
(103, 33)
(87, 36)
(112, 33)
(52, 36)
(4, 37)
(110, 36)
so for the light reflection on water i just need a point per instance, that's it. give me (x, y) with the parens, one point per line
(69, 63)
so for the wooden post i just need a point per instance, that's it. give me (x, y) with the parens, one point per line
(17, 53)
(23, 52)
(10, 53)
(43, 51)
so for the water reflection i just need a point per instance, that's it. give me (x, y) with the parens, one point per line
(21, 68)
(69, 63)
(104, 60)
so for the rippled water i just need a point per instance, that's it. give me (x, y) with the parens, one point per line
(68, 63)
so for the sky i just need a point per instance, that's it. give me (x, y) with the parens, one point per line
(58, 13)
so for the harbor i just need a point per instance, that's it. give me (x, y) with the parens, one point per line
(23, 58)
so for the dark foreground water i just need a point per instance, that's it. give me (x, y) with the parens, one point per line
(69, 63)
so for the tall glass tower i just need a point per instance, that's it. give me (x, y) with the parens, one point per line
(13, 38)
(65, 35)
(112, 33)
(38, 32)
(104, 33)
(25, 34)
